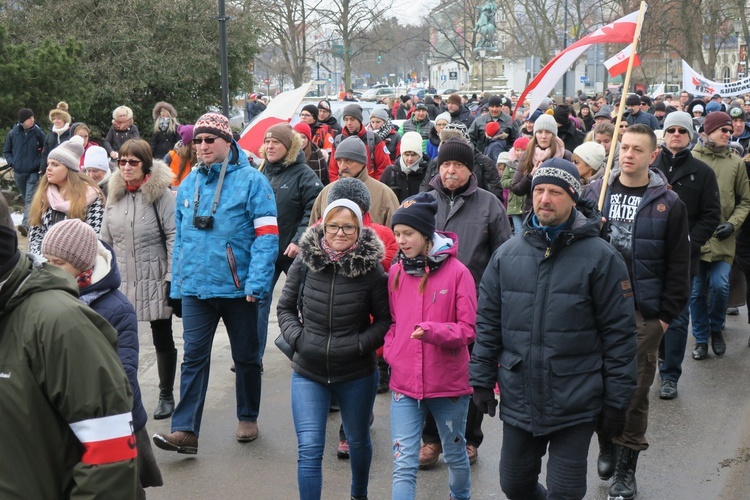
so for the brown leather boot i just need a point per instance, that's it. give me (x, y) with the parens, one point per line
(429, 454)
(247, 431)
(180, 441)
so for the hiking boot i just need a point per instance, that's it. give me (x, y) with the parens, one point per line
(180, 441)
(607, 461)
(343, 450)
(668, 390)
(624, 485)
(247, 431)
(429, 455)
(718, 344)
(473, 453)
(700, 351)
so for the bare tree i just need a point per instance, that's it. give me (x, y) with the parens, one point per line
(286, 34)
(352, 22)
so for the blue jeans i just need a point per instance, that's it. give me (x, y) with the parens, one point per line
(200, 317)
(675, 342)
(517, 223)
(708, 301)
(407, 419)
(264, 308)
(26, 183)
(310, 402)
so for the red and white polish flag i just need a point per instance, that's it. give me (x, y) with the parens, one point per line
(618, 64)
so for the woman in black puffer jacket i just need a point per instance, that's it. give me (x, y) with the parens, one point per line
(343, 316)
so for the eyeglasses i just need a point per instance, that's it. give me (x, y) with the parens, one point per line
(334, 229)
(727, 131)
(676, 130)
(305, 115)
(207, 140)
(132, 163)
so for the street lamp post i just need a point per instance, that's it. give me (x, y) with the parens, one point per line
(482, 53)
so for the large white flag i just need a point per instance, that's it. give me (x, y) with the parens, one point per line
(697, 84)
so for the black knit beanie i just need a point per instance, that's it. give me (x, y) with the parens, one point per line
(312, 109)
(455, 149)
(419, 212)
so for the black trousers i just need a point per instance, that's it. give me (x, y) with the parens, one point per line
(521, 463)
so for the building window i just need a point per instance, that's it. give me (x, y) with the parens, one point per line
(727, 75)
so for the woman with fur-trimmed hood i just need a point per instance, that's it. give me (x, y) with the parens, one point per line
(334, 313)
(165, 134)
(139, 225)
(295, 186)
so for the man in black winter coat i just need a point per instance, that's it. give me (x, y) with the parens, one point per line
(695, 184)
(560, 373)
(648, 224)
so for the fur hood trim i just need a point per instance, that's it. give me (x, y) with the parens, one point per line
(366, 257)
(152, 189)
(291, 156)
(163, 105)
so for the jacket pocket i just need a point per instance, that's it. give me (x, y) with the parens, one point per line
(512, 381)
(233, 266)
(576, 384)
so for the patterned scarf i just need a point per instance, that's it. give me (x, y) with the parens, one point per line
(335, 255)
(385, 130)
(84, 279)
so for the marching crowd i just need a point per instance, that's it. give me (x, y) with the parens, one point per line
(460, 260)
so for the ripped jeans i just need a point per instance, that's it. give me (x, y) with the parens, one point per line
(407, 419)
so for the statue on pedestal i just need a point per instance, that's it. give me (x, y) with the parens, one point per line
(485, 25)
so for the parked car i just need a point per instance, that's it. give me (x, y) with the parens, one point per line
(375, 94)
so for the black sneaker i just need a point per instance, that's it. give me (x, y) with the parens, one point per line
(668, 390)
(700, 351)
(718, 344)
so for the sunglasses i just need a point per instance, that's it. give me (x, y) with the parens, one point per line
(207, 140)
(132, 163)
(727, 131)
(675, 130)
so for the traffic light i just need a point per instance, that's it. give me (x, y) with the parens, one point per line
(380, 58)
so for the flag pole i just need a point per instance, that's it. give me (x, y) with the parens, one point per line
(623, 98)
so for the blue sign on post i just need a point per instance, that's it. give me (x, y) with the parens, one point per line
(442, 78)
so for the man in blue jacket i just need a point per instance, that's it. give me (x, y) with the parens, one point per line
(556, 330)
(23, 151)
(225, 249)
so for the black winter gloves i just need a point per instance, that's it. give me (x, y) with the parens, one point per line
(484, 400)
(611, 422)
(724, 231)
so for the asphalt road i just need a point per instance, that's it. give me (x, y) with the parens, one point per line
(700, 442)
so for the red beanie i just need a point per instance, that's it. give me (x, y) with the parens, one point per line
(521, 142)
(304, 129)
(491, 129)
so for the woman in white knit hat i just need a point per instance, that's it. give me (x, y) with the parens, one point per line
(64, 192)
(543, 145)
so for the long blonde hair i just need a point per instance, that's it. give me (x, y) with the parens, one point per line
(78, 184)
(527, 162)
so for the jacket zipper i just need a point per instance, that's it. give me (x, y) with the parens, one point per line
(330, 326)
(233, 266)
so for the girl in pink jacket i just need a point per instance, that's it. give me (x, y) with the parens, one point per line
(433, 306)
